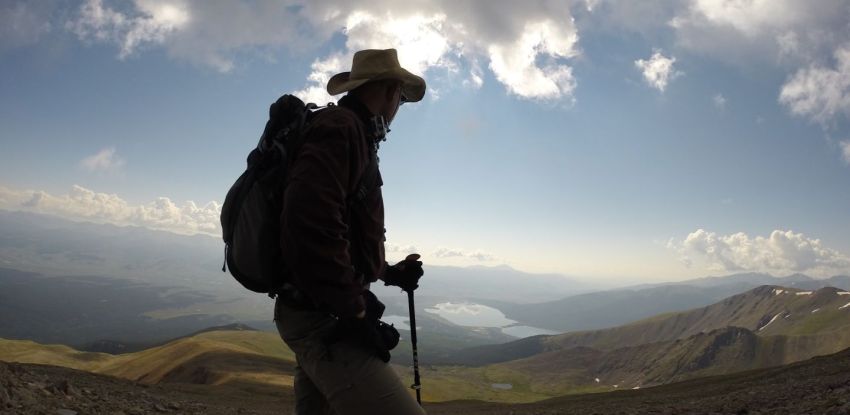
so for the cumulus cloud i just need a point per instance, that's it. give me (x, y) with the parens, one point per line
(151, 22)
(781, 252)
(820, 92)
(516, 64)
(813, 43)
(104, 160)
(400, 249)
(771, 29)
(657, 70)
(526, 45)
(845, 151)
(477, 255)
(787, 34)
(419, 39)
(84, 204)
(528, 56)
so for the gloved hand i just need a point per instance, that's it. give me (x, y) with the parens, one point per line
(405, 274)
(367, 331)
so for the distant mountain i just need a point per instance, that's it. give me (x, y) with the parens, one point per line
(767, 326)
(499, 283)
(822, 316)
(615, 307)
(52, 246)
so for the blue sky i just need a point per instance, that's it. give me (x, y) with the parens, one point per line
(648, 141)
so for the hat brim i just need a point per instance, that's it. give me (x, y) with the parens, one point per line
(412, 86)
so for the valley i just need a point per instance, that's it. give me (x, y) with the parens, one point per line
(765, 327)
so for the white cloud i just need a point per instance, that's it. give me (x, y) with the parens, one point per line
(819, 92)
(527, 45)
(530, 65)
(477, 255)
(845, 150)
(400, 249)
(657, 70)
(103, 160)
(84, 204)
(719, 101)
(516, 64)
(152, 22)
(771, 29)
(419, 39)
(781, 252)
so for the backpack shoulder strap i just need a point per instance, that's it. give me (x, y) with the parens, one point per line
(369, 179)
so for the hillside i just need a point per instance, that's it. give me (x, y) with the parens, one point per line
(816, 386)
(766, 310)
(820, 385)
(213, 358)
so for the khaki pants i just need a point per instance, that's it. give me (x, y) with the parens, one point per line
(342, 378)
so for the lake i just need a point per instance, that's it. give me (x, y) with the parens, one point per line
(479, 315)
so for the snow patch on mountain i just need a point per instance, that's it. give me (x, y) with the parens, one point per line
(771, 321)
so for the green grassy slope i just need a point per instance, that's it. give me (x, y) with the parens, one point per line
(215, 357)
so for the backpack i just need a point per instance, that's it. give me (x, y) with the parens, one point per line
(250, 216)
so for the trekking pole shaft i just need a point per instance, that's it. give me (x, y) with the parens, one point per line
(416, 385)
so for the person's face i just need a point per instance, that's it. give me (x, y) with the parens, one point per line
(394, 103)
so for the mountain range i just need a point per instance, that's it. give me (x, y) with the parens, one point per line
(764, 327)
(614, 307)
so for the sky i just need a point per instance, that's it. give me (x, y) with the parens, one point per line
(611, 140)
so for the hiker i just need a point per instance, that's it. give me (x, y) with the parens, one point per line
(334, 248)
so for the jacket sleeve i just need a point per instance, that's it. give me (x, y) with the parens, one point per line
(314, 230)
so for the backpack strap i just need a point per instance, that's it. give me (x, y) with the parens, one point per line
(369, 179)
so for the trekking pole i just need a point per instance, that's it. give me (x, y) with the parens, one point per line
(416, 385)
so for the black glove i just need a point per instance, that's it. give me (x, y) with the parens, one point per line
(405, 274)
(368, 332)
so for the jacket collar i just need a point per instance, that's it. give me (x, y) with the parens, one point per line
(376, 130)
(359, 108)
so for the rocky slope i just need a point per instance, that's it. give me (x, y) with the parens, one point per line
(817, 386)
(39, 389)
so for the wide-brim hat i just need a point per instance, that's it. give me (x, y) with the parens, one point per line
(374, 65)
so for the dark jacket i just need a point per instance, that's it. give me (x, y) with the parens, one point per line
(323, 237)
